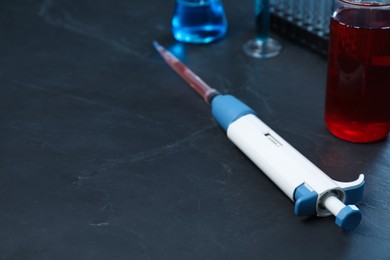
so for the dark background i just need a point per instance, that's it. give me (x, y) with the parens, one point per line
(105, 153)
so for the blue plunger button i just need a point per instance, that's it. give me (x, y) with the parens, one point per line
(349, 218)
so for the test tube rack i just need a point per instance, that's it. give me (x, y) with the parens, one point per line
(303, 21)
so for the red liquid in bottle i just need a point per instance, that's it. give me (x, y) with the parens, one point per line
(358, 88)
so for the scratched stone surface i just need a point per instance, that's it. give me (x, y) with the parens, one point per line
(105, 153)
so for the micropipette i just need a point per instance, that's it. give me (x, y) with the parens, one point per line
(314, 192)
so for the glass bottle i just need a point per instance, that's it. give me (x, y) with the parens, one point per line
(198, 21)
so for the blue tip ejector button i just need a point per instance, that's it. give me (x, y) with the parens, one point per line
(305, 201)
(349, 218)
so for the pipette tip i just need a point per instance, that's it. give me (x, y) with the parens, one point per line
(157, 46)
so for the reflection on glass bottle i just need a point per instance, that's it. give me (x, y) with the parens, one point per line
(198, 21)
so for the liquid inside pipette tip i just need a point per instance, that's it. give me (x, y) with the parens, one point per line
(191, 78)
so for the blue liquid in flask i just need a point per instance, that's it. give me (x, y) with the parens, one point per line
(198, 21)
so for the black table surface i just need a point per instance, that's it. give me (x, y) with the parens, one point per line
(105, 153)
